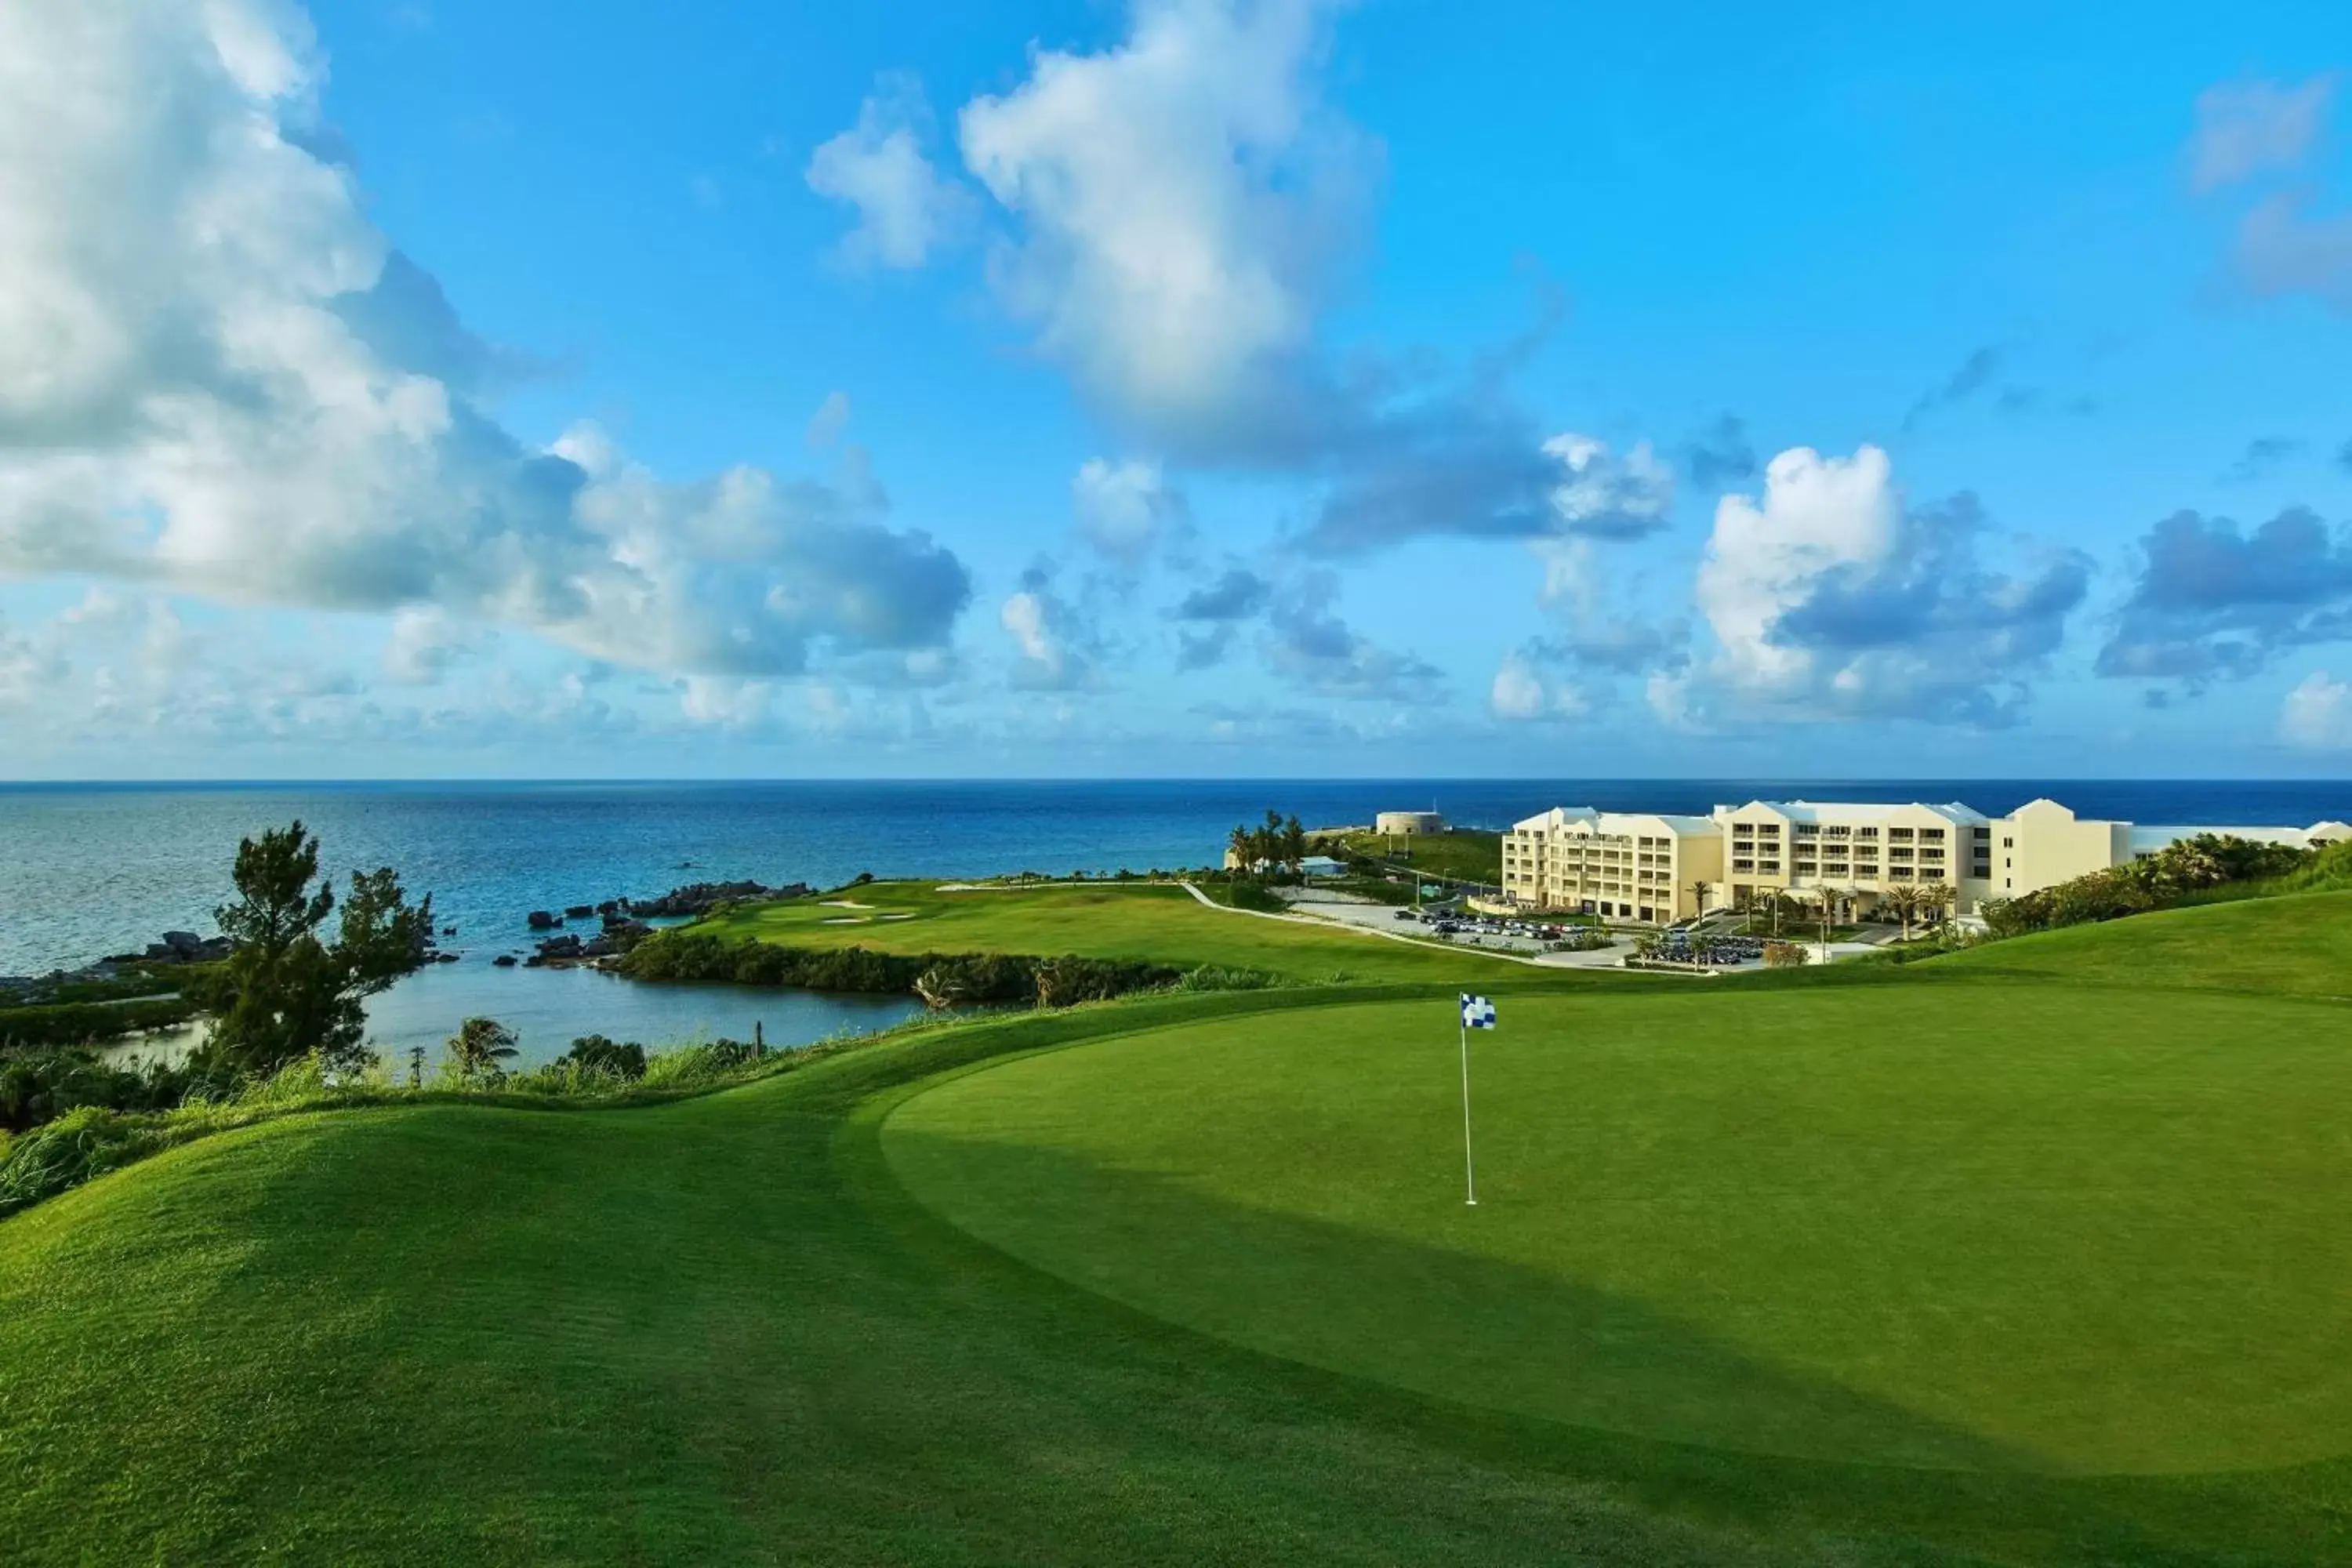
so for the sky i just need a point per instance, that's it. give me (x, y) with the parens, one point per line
(401, 388)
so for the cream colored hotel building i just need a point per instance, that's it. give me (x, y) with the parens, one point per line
(1635, 866)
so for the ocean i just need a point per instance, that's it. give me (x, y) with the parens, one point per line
(89, 870)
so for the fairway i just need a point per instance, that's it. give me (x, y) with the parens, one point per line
(2005, 1226)
(1158, 924)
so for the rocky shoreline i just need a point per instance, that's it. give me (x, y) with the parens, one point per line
(621, 923)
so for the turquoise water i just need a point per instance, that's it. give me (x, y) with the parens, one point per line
(90, 869)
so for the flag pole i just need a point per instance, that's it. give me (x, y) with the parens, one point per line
(1469, 1165)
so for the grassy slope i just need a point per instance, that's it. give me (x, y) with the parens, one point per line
(718, 1330)
(2011, 1225)
(1464, 852)
(710, 1331)
(1164, 924)
(2300, 945)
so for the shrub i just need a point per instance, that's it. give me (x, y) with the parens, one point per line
(1783, 954)
(596, 1053)
(71, 1150)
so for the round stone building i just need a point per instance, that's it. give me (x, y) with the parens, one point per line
(1397, 822)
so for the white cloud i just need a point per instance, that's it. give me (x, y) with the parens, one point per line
(2245, 128)
(195, 393)
(906, 210)
(1830, 599)
(1526, 687)
(1818, 513)
(1030, 617)
(1127, 510)
(1605, 495)
(1181, 198)
(2317, 714)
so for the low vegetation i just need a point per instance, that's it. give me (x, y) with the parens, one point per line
(1464, 853)
(2176, 874)
(688, 954)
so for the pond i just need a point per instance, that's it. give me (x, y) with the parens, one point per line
(549, 1008)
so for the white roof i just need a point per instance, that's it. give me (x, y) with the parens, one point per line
(1560, 816)
(1866, 811)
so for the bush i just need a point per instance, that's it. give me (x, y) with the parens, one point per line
(943, 979)
(1783, 954)
(596, 1053)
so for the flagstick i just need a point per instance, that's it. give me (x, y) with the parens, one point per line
(1469, 1165)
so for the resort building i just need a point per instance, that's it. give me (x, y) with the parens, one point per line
(1658, 869)
(1623, 865)
(1850, 854)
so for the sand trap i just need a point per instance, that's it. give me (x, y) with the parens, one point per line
(900, 917)
(843, 904)
(841, 920)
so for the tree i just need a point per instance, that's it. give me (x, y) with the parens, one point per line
(480, 1049)
(285, 992)
(1902, 901)
(1935, 902)
(1242, 847)
(1294, 846)
(1699, 891)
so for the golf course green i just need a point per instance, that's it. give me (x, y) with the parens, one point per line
(1158, 923)
(1997, 1258)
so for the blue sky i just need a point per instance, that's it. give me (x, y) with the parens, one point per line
(1195, 386)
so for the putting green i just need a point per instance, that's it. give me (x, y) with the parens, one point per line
(2006, 1225)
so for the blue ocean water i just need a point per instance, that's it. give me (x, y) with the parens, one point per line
(87, 870)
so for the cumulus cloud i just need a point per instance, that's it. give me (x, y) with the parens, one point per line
(1830, 598)
(1179, 210)
(1606, 496)
(1128, 510)
(2246, 127)
(906, 209)
(1597, 633)
(2212, 601)
(2317, 714)
(1180, 199)
(216, 377)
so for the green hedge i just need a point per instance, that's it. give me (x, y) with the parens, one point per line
(687, 956)
(80, 1022)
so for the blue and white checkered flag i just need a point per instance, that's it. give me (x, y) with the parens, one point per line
(1478, 1013)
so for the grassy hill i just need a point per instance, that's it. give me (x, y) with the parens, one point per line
(2298, 945)
(1957, 1262)
(1157, 924)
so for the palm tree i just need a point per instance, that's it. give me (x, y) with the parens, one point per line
(1935, 901)
(1293, 845)
(1698, 892)
(480, 1047)
(1242, 846)
(1902, 900)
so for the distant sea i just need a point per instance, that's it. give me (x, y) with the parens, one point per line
(89, 870)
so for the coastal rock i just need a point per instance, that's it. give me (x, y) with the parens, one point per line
(579, 911)
(558, 947)
(700, 898)
(543, 919)
(504, 960)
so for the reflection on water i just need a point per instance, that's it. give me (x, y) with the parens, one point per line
(549, 1008)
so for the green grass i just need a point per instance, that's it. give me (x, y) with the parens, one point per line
(1158, 924)
(1461, 852)
(1750, 1260)
(2296, 945)
(2027, 1227)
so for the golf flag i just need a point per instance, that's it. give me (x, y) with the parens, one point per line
(1478, 1013)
